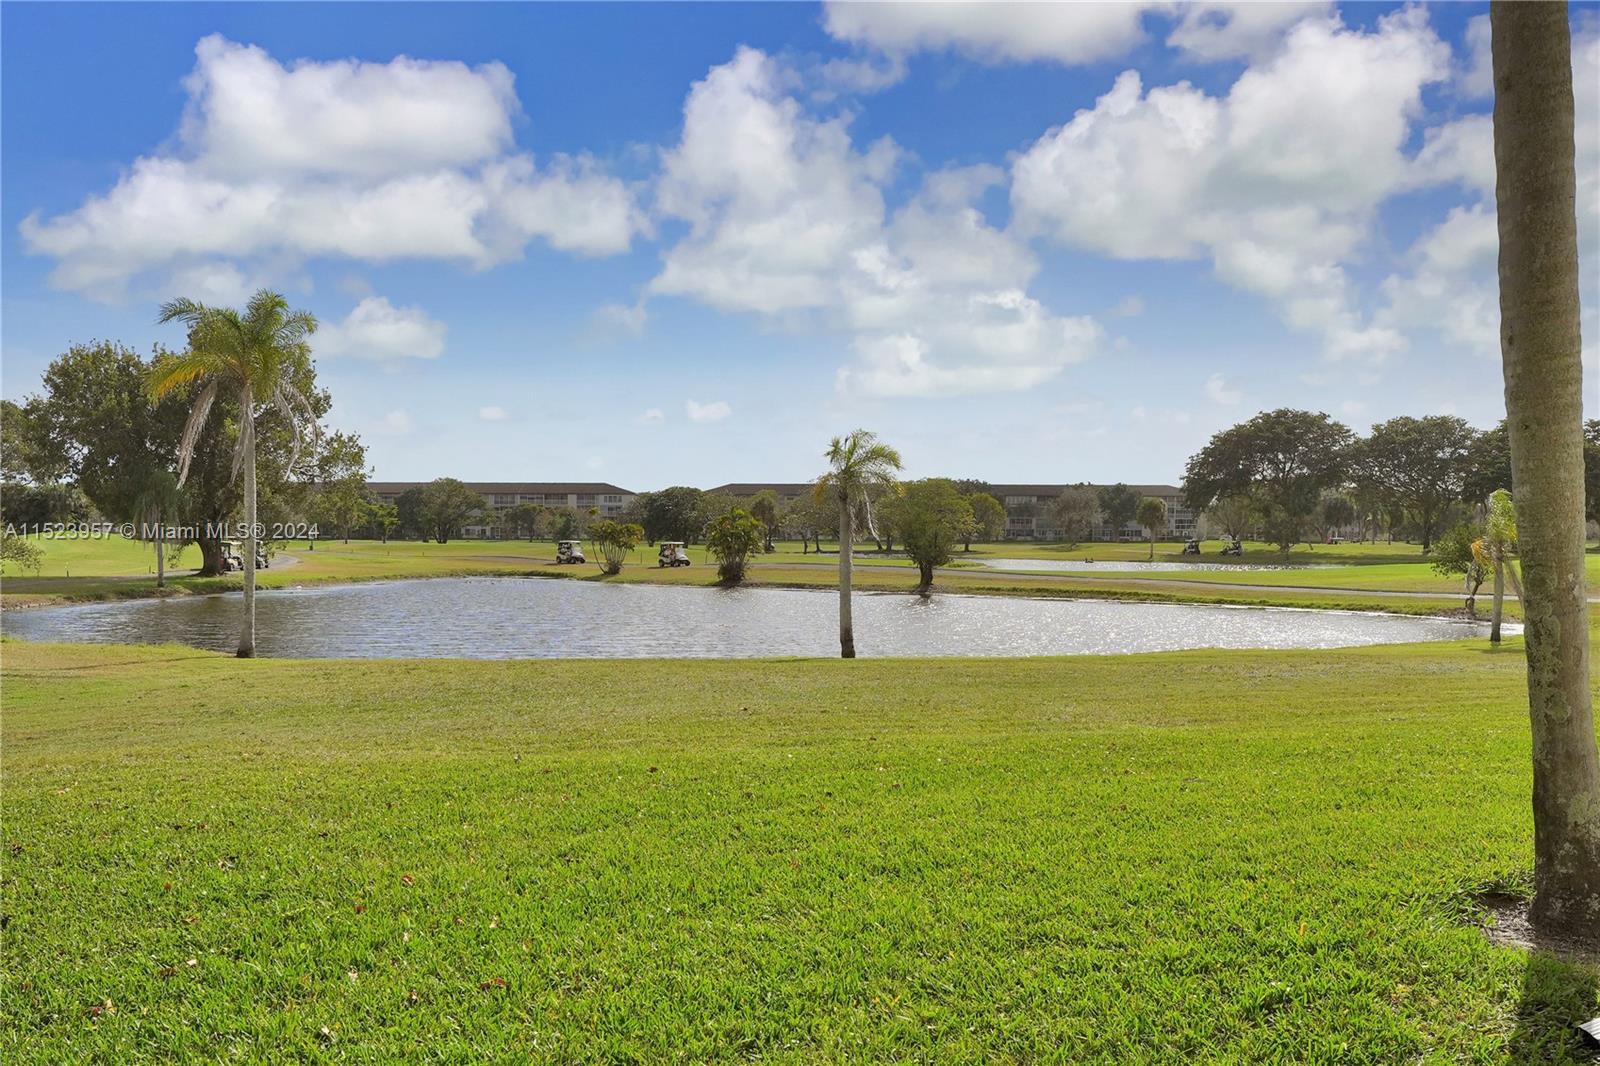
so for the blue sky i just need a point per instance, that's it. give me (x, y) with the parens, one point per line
(688, 243)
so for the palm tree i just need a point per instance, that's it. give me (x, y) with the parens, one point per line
(1499, 546)
(1152, 516)
(860, 467)
(1535, 197)
(254, 354)
(153, 509)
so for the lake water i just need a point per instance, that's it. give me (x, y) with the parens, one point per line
(1132, 566)
(507, 618)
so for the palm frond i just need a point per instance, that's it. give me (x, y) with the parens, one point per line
(182, 309)
(287, 399)
(192, 428)
(175, 371)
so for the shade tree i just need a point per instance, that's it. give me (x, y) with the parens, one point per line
(1119, 506)
(1075, 512)
(931, 518)
(988, 518)
(447, 503)
(1283, 460)
(1423, 463)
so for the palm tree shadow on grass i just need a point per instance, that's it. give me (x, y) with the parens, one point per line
(1557, 993)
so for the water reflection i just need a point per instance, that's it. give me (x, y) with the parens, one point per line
(499, 618)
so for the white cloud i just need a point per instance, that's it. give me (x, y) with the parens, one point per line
(1476, 77)
(1276, 182)
(1460, 151)
(1219, 391)
(1451, 286)
(859, 75)
(1068, 33)
(248, 115)
(652, 416)
(493, 413)
(787, 220)
(1129, 306)
(622, 318)
(213, 283)
(996, 31)
(594, 462)
(376, 329)
(367, 161)
(1211, 30)
(715, 411)
(396, 423)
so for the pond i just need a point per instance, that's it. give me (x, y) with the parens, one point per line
(1125, 566)
(510, 618)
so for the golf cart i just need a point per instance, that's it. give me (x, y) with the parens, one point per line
(1232, 547)
(672, 554)
(233, 556)
(1191, 547)
(569, 551)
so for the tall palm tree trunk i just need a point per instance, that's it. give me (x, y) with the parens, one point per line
(1499, 601)
(1535, 196)
(847, 538)
(247, 635)
(161, 556)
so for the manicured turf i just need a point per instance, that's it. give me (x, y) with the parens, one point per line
(1202, 856)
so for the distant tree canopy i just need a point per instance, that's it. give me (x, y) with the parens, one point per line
(1283, 460)
(1118, 505)
(764, 507)
(1287, 472)
(1074, 512)
(1422, 464)
(446, 505)
(988, 517)
(673, 514)
(341, 471)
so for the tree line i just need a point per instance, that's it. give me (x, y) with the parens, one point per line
(1289, 474)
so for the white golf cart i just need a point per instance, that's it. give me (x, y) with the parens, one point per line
(672, 554)
(233, 556)
(569, 551)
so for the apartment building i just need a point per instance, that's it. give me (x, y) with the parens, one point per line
(786, 491)
(606, 500)
(1028, 514)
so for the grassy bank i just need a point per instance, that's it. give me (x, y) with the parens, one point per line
(76, 571)
(1181, 857)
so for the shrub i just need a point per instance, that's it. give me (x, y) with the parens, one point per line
(614, 540)
(732, 539)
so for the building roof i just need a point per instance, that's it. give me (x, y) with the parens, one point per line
(525, 488)
(750, 488)
(1055, 490)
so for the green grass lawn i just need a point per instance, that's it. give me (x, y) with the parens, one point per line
(1203, 856)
